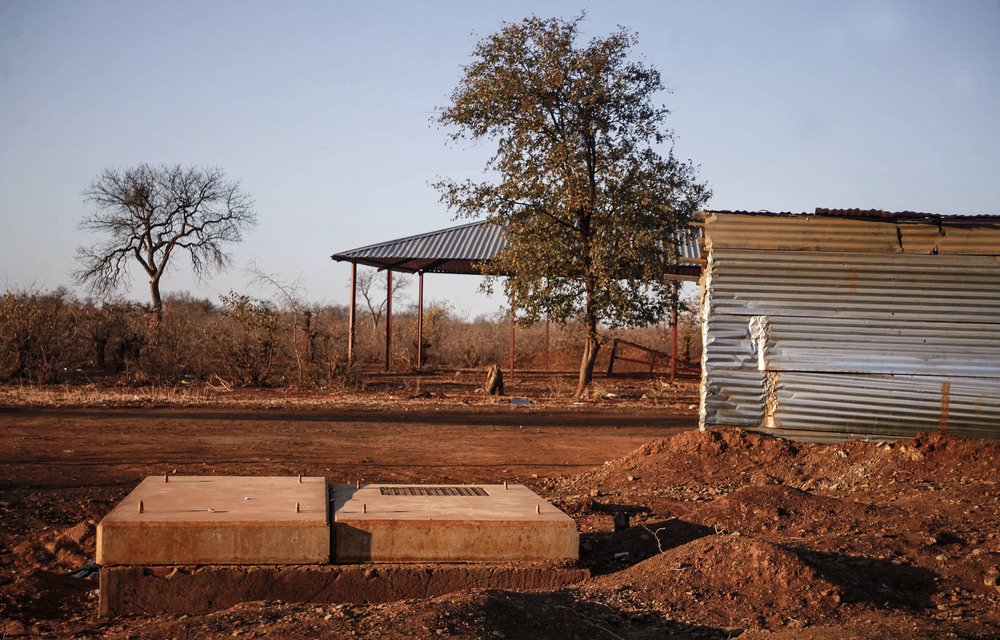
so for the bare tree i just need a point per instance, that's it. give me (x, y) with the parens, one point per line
(372, 286)
(148, 213)
(292, 294)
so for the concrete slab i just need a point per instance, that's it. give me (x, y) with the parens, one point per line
(448, 523)
(218, 520)
(199, 590)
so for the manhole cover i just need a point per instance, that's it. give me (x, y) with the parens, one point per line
(433, 491)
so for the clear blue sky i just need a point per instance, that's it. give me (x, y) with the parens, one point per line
(323, 110)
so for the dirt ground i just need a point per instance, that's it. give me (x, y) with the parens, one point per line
(732, 534)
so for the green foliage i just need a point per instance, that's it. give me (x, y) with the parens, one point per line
(590, 208)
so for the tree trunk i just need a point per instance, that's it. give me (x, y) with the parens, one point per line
(154, 292)
(592, 344)
(590, 349)
(494, 380)
(309, 335)
(100, 349)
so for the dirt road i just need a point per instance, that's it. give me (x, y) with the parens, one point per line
(422, 441)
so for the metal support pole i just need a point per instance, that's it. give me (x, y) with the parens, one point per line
(512, 337)
(546, 341)
(388, 320)
(673, 336)
(351, 326)
(420, 320)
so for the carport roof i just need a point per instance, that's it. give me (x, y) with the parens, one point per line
(452, 250)
(458, 249)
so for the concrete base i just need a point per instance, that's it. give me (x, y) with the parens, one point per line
(198, 590)
(415, 523)
(218, 520)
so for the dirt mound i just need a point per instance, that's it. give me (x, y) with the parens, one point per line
(953, 448)
(58, 551)
(779, 508)
(716, 445)
(928, 456)
(731, 581)
(701, 465)
(689, 461)
(36, 583)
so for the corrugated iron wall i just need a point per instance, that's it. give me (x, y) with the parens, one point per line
(826, 328)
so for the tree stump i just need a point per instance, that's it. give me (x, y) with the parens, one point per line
(494, 380)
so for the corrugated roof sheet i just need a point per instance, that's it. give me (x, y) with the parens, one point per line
(805, 232)
(452, 250)
(458, 249)
(872, 214)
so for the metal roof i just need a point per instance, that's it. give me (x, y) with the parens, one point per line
(875, 214)
(895, 234)
(452, 250)
(459, 249)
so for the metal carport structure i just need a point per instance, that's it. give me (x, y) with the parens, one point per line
(459, 250)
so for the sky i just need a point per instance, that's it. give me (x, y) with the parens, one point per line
(324, 111)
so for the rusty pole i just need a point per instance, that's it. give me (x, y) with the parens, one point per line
(420, 320)
(546, 340)
(353, 316)
(388, 320)
(673, 336)
(512, 337)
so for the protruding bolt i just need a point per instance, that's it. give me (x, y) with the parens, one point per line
(141, 508)
(359, 484)
(211, 510)
(364, 508)
(538, 509)
(298, 508)
(505, 485)
(300, 478)
(166, 477)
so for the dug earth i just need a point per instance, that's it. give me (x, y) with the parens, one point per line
(731, 534)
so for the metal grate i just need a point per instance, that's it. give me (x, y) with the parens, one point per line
(433, 491)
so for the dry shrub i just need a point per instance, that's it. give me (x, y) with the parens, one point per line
(248, 341)
(175, 349)
(38, 335)
(324, 335)
(472, 344)
(245, 338)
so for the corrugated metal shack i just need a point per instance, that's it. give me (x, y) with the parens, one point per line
(851, 324)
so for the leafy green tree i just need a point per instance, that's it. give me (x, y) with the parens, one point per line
(589, 205)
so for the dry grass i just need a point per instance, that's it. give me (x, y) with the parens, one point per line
(158, 395)
(371, 390)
